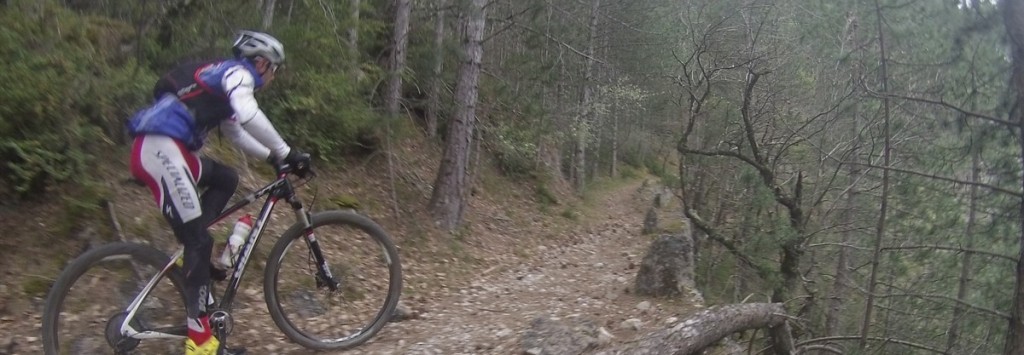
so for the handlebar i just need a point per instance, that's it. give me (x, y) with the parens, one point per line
(300, 169)
(303, 172)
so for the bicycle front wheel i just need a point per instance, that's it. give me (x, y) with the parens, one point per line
(87, 303)
(347, 308)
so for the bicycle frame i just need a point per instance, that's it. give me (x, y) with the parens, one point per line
(281, 188)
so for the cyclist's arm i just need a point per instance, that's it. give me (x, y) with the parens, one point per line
(239, 86)
(242, 139)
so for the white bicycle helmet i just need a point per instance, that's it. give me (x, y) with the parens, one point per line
(252, 44)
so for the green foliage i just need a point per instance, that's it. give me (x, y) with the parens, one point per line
(628, 172)
(544, 195)
(74, 70)
(665, 172)
(654, 167)
(632, 158)
(514, 149)
(346, 201)
(712, 278)
(669, 179)
(570, 214)
(30, 165)
(318, 103)
(322, 112)
(65, 89)
(81, 203)
(36, 286)
(72, 78)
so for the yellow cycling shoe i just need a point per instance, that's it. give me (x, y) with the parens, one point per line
(210, 347)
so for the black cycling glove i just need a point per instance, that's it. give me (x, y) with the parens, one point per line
(298, 161)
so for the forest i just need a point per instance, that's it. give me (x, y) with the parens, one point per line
(859, 161)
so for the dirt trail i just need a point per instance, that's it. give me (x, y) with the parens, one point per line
(589, 279)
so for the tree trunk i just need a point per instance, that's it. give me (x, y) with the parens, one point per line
(352, 34)
(791, 251)
(789, 268)
(880, 227)
(595, 145)
(587, 115)
(399, 41)
(268, 14)
(959, 309)
(614, 170)
(839, 290)
(393, 92)
(449, 195)
(549, 155)
(434, 91)
(842, 275)
(703, 329)
(353, 27)
(562, 122)
(1013, 18)
(291, 6)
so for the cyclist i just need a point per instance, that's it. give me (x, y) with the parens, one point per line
(192, 99)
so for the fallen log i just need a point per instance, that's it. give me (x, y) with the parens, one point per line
(701, 330)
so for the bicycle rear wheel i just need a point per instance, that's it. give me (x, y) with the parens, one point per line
(86, 304)
(365, 265)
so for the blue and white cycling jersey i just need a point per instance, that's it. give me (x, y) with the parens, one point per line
(193, 98)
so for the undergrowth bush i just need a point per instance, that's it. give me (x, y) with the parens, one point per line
(514, 149)
(65, 88)
(628, 172)
(71, 78)
(322, 101)
(323, 113)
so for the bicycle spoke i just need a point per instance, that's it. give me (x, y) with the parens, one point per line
(365, 294)
(358, 267)
(92, 307)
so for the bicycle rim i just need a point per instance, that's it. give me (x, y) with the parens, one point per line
(363, 261)
(87, 303)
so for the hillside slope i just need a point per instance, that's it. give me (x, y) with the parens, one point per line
(473, 291)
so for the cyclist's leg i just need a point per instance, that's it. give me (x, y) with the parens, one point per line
(196, 267)
(171, 171)
(220, 182)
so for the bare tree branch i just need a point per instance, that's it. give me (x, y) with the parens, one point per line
(559, 42)
(941, 178)
(981, 309)
(857, 337)
(510, 20)
(956, 249)
(733, 249)
(945, 104)
(842, 245)
(819, 348)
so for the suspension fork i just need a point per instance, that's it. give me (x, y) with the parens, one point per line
(323, 270)
(323, 276)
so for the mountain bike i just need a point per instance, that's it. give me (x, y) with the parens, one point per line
(331, 281)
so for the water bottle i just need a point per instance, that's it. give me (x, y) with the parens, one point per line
(242, 228)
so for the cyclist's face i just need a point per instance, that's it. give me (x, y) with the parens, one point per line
(266, 69)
